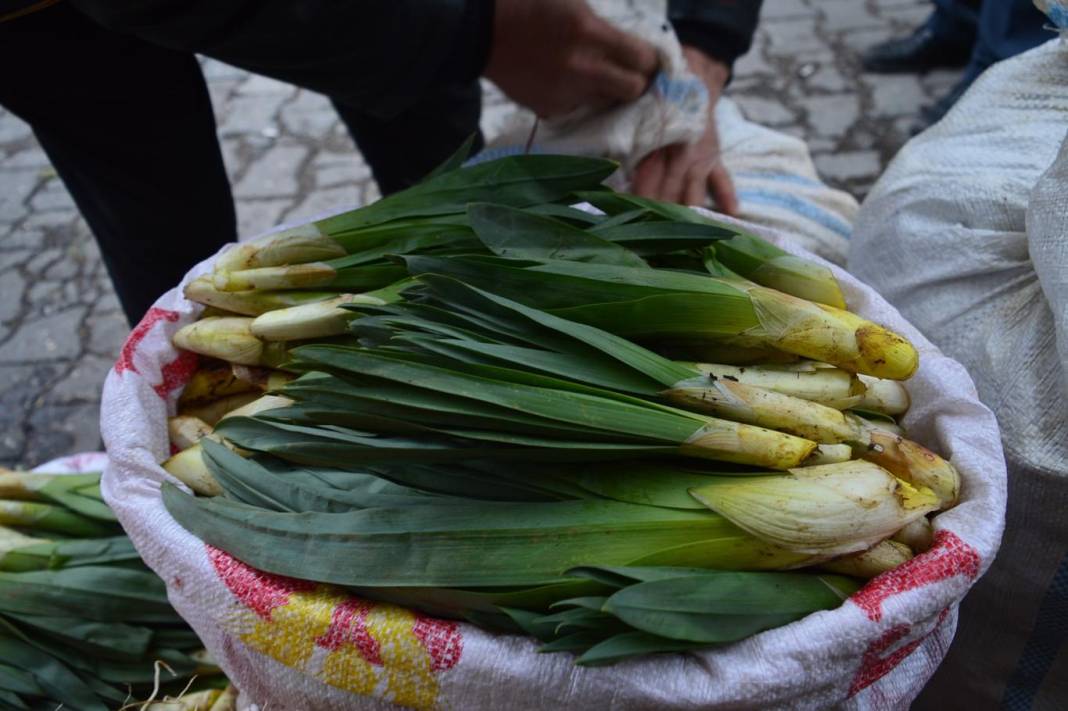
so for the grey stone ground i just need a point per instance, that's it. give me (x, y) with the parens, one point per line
(288, 157)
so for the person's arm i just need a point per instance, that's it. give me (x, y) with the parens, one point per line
(722, 29)
(714, 33)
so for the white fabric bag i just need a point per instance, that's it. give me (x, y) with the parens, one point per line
(968, 238)
(293, 645)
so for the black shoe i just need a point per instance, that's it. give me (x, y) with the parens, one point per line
(919, 52)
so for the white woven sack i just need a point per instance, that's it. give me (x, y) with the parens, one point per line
(967, 233)
(292, 645)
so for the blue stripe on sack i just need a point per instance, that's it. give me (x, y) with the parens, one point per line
(1047, 639)
(804, 208)
(679, 90)
(780, 178)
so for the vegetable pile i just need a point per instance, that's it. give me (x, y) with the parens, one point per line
(622, 431)
(83, 623)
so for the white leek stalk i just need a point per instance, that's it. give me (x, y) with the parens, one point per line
(887, 396)
(296, 245)
(318, 320)
(187, 466)
(297, 276)
(831, 510)
(883, 556)
(250, 303)
(228, 338)
(831, 386)
(918, 535)
(185, 431)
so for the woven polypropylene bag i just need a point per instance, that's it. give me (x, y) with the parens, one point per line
(967, 233)
(294, 645)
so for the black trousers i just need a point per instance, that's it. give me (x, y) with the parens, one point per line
(129, 128)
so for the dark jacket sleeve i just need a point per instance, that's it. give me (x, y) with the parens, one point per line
(722, 29)
(379, 55)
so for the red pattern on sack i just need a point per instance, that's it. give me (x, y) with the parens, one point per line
(441, 639)
(348, 626)
(261, 592)
(153, 316)
(876, 663)
(948, 557)
(177, 373)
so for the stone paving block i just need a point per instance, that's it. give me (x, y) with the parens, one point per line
(19, 387)
(11, 259)
(252, 114)
(52, 337)
(751, 63)
(232, 151)
(836, 112)
(313, 118)
(823, 76)
(907, 17)
(896, 95)
(883, 5)
(939, 82)
(255, 217)
(32, 157)
(324, 202)
(214, 69)
(369, 193)
(847, 165)
(19, 238)
(221, 91)
(107, 332)
(273, 174)
(765, 111)
(12, 286)
(62, 428)
(843, 15)
(778, 9)
(53, 220)
(860, 40)
(787, 37)
(13, 129)
(259, 85)
(347, 171)
(52, 195)
(15, 187)
(65, 268)
(42, 260)
(84, 381)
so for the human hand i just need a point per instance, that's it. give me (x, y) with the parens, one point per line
(554, 56)
(686, 173)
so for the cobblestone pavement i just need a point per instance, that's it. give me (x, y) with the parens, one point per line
(288, 157)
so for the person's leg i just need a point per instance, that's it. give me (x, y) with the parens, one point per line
(945, 39)
(130, 130)
(956, 20)
(1006, 28)
(403, 149)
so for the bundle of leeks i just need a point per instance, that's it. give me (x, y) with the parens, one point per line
(83, 623)
(501, 436)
